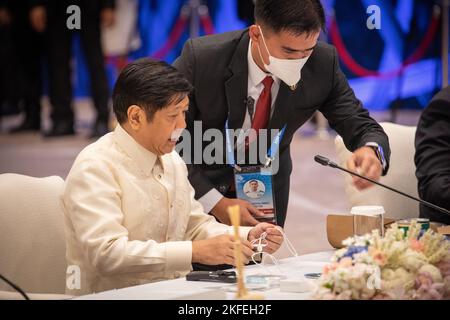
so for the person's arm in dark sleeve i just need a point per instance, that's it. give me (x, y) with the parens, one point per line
(186, 65)
(432, 156)
(351, 121)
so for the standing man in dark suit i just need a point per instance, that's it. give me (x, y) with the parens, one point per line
(278, 63)
(432, 156)
(51, 16)
(21, 72)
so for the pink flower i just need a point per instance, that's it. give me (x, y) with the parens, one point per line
(416, 245)
(432, 293)
(423, 281)
(379, 257)
(444, 266)
(426, 289)
(329, 268)
(345, 262)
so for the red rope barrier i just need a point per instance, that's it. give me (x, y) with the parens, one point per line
(207, 24)
(172, 40)
(361, 71)
(174, 37)
(177, 31)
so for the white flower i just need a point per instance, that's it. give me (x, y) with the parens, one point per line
(412, 260)
(404, 259)
(395, 279)
(434, 272)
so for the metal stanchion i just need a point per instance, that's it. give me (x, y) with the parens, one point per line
(196, 9)
(194, 26)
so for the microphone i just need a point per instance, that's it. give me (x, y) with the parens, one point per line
(325, 161)
(250, 105)
(328, 163)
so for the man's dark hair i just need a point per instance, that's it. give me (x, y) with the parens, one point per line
(149, 84)
(295, 16)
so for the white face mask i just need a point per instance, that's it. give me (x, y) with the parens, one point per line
(176, 134)
(289, 71)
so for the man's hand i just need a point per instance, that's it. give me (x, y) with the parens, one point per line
(274, 237)
(38, 18)
(219, 250)
(365, 162)
(107, 17)
(220, 211)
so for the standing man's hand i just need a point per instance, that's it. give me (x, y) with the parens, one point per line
(107, 17)
(365, 162)
(38, 18)
(248, 211)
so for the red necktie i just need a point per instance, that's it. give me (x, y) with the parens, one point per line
(262, 115)
(263, 106)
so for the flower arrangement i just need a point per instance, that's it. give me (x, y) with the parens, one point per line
(415, 265)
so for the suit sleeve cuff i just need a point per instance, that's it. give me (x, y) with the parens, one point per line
(178, 255)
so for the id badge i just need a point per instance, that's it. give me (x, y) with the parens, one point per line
(254, 185)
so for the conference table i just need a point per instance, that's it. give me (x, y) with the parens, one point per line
(181, 289)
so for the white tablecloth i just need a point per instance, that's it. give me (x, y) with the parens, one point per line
(293, 268)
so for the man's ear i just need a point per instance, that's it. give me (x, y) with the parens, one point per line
(254, 33)
(135, 114)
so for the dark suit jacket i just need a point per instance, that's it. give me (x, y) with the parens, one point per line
(217, 67)
(432, 156)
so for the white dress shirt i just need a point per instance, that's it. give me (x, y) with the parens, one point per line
(254, 89)
(130, 216)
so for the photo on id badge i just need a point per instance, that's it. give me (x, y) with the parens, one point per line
(256, 188)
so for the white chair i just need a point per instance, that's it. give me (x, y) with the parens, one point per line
(401, 175)
(32, 244)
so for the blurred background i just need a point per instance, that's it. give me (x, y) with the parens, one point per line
(394, 70)
(396, 67)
